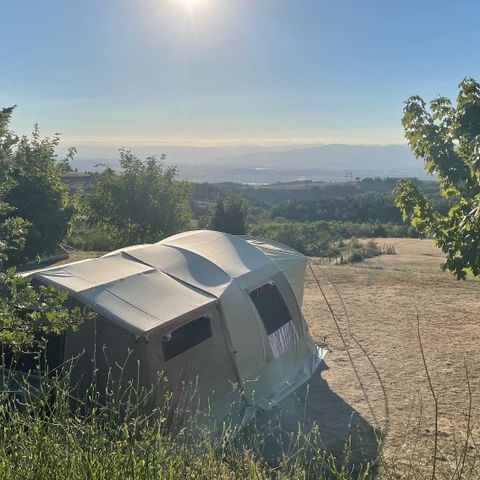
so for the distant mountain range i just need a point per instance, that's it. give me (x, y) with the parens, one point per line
(251, 164)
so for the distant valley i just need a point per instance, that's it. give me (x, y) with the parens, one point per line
(256, 165)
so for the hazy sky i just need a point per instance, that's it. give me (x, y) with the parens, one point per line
(230, 71)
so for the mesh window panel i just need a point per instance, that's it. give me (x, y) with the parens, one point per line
(186, 337)
(271, 307)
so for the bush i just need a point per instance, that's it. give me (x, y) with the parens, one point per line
(356, 257)
(229, 215)
(323, 238)
(372, 248)
(92, 238)
(355, 243)
(32, 194)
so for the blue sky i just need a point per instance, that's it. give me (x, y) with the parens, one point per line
(209, 72)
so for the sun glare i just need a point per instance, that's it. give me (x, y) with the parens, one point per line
(192, 5)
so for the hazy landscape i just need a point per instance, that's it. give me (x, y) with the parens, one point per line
(256, 165)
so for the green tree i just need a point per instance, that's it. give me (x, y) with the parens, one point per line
(27, 315)
(447, 138)
(230, 215)
(143, 202)
(13, 236)
(13, 230)
(32, 190)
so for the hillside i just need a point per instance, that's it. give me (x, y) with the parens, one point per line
(277, 192)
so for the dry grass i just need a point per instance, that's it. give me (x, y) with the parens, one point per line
(381, 296)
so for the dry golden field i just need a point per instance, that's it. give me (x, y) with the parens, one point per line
(386, 385)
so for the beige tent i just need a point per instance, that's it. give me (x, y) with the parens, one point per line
(223, 309)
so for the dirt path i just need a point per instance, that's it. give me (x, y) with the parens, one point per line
(381, 296)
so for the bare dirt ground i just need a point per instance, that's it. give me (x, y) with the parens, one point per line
(387, 384)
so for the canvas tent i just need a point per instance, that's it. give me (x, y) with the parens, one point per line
(223, 309)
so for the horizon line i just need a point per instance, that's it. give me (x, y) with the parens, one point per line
(227, 143)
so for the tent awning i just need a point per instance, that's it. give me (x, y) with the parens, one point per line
(136, 296)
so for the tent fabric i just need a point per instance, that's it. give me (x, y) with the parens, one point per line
(150, 290)
(185, 266)
(232, 254)
(136, 296)
(288, 260)
(283, 338)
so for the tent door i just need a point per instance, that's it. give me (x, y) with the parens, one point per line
(276, 317)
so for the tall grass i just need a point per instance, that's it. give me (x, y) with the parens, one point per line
(48, 432)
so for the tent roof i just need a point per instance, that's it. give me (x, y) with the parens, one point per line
(136, 296)
(144, 286)
(273, 248)
(231, 253)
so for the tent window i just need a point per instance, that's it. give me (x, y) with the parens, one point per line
(34, 358)
(271, 307)
(186, 337)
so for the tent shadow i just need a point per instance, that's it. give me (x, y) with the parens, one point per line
(342, 431)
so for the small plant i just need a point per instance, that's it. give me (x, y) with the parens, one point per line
(355, 257)
(355, 244)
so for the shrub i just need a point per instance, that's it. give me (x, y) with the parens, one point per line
(92, 238)
(322, 238)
